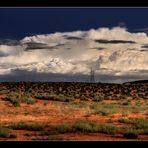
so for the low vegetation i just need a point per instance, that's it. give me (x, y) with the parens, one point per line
(6, 133)
(131, 134)
(82, 107)
(86, 126)
(27, 126)
(16, 98)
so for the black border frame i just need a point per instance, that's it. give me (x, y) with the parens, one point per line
(74, 3)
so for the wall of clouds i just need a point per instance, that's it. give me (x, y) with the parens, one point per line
(115, 52)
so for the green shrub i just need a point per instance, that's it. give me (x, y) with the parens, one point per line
(17, 98)
(63, 98)
(19, 125)
(4, 133)
(14, 101)
(45, 97)
(125, 103)
(83, 97)
(27, 126)
(82, 105)
(63, 128)
(125, 120)
(144, 131)
(98, 98)
(103, 112)
(12, 136)
(60, 97)
(84, 126)
(77, 95)
(141, 124)
(29, 100)
(107, 128)
(131, 134)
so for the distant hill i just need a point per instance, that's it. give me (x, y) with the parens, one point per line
(137, 82)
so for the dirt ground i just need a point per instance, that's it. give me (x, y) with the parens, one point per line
(53, 113)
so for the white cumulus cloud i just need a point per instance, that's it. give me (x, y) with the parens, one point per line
(114, 51)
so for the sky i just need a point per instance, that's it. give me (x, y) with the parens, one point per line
(17, 23)
(64, 44)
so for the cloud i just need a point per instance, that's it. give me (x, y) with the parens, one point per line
(115, 52)
(6, 50)
(33, 76)
(122, 24)
(9, 42)
(145, 30)
(114, 41)
(144, 46)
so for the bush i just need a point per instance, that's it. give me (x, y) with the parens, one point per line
(17, 98)
(63, 98)
(29, 100)
(98, 98)
(55, 97)
(12, 136)
(103, 112)
(131, 134)
(83, 97)
(14, 101)
(108, 128)
(45, 97)
(125, 120)
(19, 125)
(27, 126)
(125, 103)
(63, 128)
(4, 133)
(141, 124)
(86, 126)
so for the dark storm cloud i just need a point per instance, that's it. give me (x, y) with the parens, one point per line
(114, 41)
(9, 42)
(99, 48)
(142, 30)
(33, 76)
(3, 54)
(23, 75)
(31, 46)
(68, 48)
(73, 38)
(144, 46)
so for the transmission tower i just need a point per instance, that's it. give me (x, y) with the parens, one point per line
(92, 76)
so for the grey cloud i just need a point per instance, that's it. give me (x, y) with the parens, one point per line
(144, 46)
(114, 41)
(33, 76)
(3, 54)
(99, 48)
(9, 42)
(32, 45)
(73, 38)
(142, 29)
